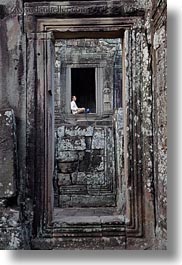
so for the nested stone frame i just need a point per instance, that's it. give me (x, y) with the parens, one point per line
(133, 141)
(66, 70)
(85, 175)
(112, 162)
(103, 56)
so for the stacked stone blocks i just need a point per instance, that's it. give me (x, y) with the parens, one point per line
(85, 172)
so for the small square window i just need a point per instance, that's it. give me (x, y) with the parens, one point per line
(84, 88)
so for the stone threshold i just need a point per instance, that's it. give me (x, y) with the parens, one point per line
(83, 211)
(81, 222)
(84, 243)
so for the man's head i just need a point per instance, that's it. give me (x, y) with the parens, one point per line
(74, 98)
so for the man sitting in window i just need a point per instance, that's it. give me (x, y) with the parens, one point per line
(74, 108)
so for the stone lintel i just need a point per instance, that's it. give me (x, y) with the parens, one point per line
(84, 8)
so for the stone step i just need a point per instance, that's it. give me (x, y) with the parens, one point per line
(88, 225)
(77, 243)
(84, 228)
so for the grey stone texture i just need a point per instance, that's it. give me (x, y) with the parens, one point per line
(8, 154)
(86, 152)
(10, 229)
(139, 195)
(85, 166)
(101, 54)
(159, 38)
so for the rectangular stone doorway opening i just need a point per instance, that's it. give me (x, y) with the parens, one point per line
(80, 138)
(83, 86)
(87, 181)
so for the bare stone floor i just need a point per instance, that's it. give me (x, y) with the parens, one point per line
(84, 228)
(87, 216)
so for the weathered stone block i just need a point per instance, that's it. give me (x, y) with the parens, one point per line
(64, 179)
(88, 141)
(60, 131)
(8, 157)
(95, 191)
(107, 220)
(96, 178)
(65, 200)
(74, 177)
(72, 143)
(81, 155)
(73, 189)
(104, 123)
(97, 152)
(97, 162)
(81, 178)
(93, 201)
(11, 238)
(67, 167)
(9, 218)
(79, 131)
(84, 165)
(98, 139)
(67, 156)
(100, 167)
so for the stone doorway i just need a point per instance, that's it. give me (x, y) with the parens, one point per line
(30, 29)
(86, 174)
(124, 211)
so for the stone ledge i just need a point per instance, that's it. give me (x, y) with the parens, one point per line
(87, 222)
(84, 200)
(90, 243)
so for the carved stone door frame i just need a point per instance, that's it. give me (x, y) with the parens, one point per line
(40, 124)
(39, 46)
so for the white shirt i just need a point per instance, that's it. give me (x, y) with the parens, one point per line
(74, 107)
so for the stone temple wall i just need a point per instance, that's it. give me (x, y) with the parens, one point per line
(10, 226)
(86, 170)
(159, 38)
(103, 54)
(85, 152)
(20, 205)
(15, 210)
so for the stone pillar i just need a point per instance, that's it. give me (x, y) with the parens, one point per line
(159, 56)
(138, 135)
(40, 122)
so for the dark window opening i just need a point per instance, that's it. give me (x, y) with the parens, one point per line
(83, 87)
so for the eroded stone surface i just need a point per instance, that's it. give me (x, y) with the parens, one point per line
(8, 154)
(67, 156)
(88, 170)
(146, 125)
(74, 143)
